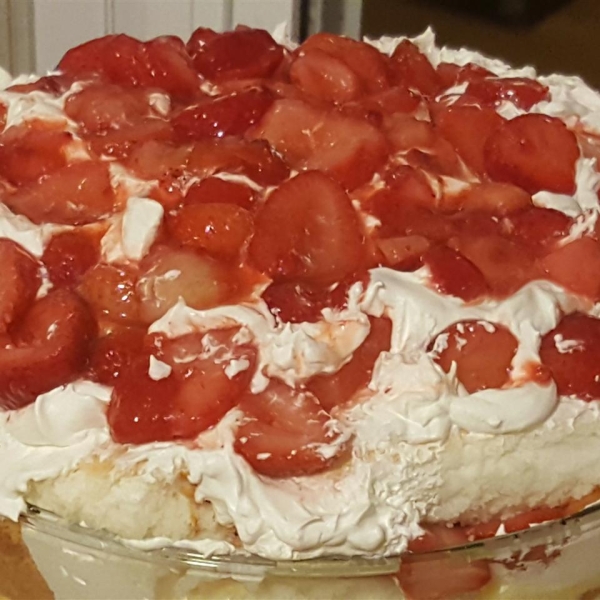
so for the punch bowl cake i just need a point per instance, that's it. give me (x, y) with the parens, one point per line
(298, 321)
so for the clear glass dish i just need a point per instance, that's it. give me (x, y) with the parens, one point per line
(50, 558)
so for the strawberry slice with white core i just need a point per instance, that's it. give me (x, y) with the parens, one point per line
(445, 576)
(308, 229)
(168, 274)
(350, 150)
(535, 152)
(21, 281)
(77, 194)
(482, 352)
(286, 433)
(49, 348)
(205, 376)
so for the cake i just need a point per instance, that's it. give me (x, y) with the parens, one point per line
(292, 302)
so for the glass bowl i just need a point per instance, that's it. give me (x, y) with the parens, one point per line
(43, 556)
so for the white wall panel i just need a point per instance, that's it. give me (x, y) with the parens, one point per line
(146, 19)
(214, 14)
(61, 24)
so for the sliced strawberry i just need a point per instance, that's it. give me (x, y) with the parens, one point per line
(410, 185)
(112, 353)
(254, 159)
(49, 348)
(453, 274)
(404, 253)
(452, 74)
(194, 395)
(303, 301)
(506, 264)
(524, 93)
(442, 576)
(222, 115)
(570, 351)
(576, 505)
(29, 151)
(535, 152)
(539, 227)
(575, 266)
(354, 376)
(169, 274)
(369, 65)
(216, 190)
(325, 77)
(395, 100)
(126, 61)
(482, 352)
(406, 132)
(21, 281)
(111, 292)
(120, 143)
(495, 198)
(152, 159)
(308, 229)
(348, 149)
(411, 68)
(240, 54)
(467, 128)
(286, 433)
(218, 228)
(69, 255)
(100, 106)
(77, 194)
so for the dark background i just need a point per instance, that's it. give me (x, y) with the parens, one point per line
(565, 40)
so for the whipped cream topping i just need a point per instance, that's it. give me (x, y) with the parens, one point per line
(410, 411)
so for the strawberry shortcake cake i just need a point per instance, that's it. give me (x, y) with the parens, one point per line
(330, 300)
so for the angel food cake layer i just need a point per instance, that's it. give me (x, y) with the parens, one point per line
(298, 301)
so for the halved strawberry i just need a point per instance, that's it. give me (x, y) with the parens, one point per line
(307, 229)
(216, 190)
(539, 227)
(411, 68)
(153, 159)
(102, 106)
(303, 301)
(443, 576)
(126, 61)
(336, 389)
(240, 54)
(452, 74)
(69, 255)
(404, 253)
(49, 348)
(120, 143)
(168, 274)
(222, 115)
(524, 93)
(482, 352)
(31, 150)
(220, 229)
(197, 391)
(535, 152)
(112, 353)
(575, 266)
(369, 65)
(467, 128)
(77, 194)
(111, 292)
(286, 433)
(254, 159)
(570, 351)
(348, 149)
(453, 274)
(506, 264)
(499, 199)
(325, 77)
(21, 281)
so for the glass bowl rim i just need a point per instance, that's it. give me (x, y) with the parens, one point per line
(249, 565)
